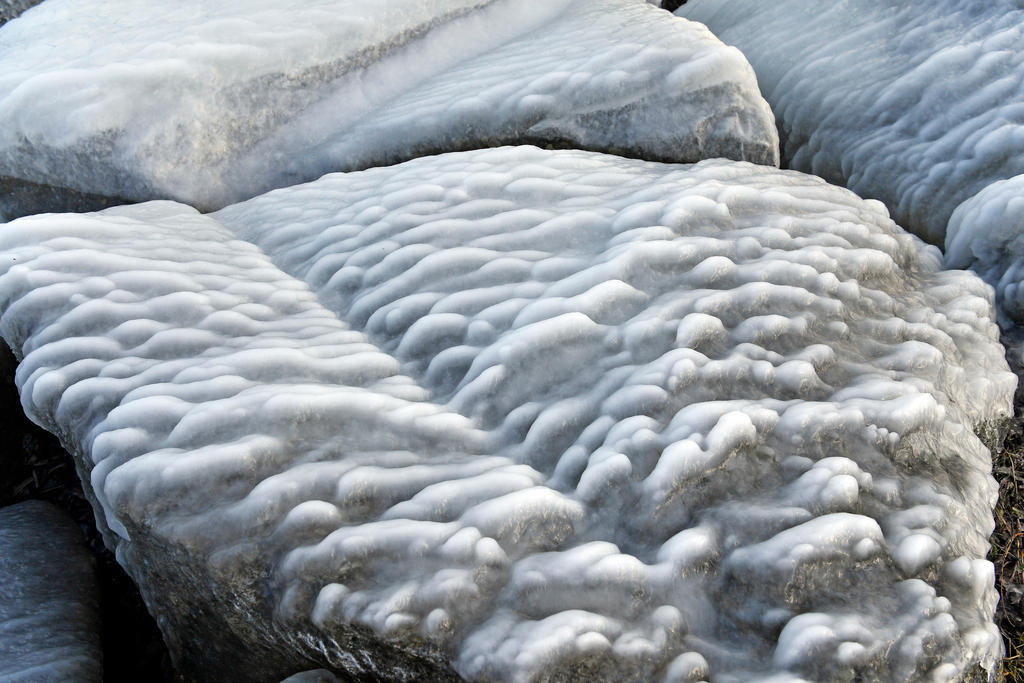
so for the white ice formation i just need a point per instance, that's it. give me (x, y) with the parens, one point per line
(918, 104)
(49, 603)
(515, 413)
(209, 103)
(986, 234)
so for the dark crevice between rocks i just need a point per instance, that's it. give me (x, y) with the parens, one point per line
(1007, 548)
(23, 198)
(1007, 553)
(672, 5)
(33, 465)
(11, 9)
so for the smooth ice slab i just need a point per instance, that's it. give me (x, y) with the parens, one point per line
(49, 602)
(920, 105)
(210, 103)
(516, 413)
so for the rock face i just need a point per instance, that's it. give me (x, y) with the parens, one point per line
(518, 414)
(210, 103)
(9, 9)
(49, 614)
(920, 105)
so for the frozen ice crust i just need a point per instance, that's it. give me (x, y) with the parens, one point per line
(211, 103)
(920, 105)
(515, 413)
(986, 234)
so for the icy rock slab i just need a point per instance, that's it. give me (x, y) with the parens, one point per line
(986, 234)
(518, 414)
(920, 105)
(49, 611)
(210, 103)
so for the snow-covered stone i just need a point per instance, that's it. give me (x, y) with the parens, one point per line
(918, 104)
(210, 103)
(986, 234)
(49, 603)
(516, 413)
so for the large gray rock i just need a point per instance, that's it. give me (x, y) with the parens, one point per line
(9, 9)
(518, 414)
(210, 103)
(49, 611)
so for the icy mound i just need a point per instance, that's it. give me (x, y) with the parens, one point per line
(920, 105)
(49, 612)
(211, 103)
(567, 415)
(986, 234)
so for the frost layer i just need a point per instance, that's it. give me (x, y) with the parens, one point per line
(210, 103)
(516, 414)
(49, 611)
(920, 105)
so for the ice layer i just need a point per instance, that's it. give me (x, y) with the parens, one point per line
(210, 103)
(920, 105)
(516, 414)
(986, 234)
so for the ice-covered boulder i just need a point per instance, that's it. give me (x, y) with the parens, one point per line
(918, 104)
(515, 414)
(49, 603)
(210, 103)
(986, 234)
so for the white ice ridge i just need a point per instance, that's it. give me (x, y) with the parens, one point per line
(49, 601)
(567, 413)
(918, 104)
(986, 234)
(210, 103)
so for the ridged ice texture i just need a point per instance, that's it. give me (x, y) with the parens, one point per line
(986, 234)
(49, 602)
(918, 104)
(210, 103)
(537, 414)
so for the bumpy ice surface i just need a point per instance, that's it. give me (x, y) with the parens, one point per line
(209, 103)
(986, 234)
(49, 611)
(516, 412)
(920, 105)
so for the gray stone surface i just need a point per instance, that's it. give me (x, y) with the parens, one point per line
(9, 9)
(49, 620)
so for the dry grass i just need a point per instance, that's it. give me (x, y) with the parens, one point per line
(1007, 554)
